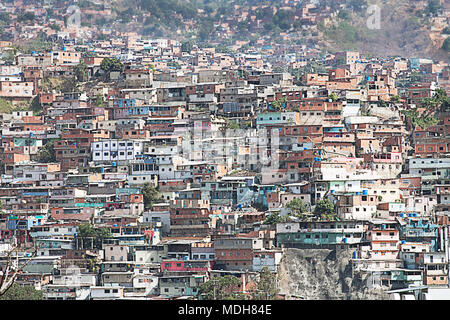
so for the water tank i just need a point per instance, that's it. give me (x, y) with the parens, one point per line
(355, 254)
(365, 192)
(402, 215)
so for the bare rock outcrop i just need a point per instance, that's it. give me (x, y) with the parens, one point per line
(323, 274)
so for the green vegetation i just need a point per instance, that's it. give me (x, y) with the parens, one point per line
(6, 106)
(27, 17)
(415, 77)
(81, 72)
(92, 236)
(333, 96)
(99, 103)
(221, 288)
(162, 10)
(21, 292)
(5, 19)
(395, 99)
(266, 285)
(187, 46)
(36, 106)
(357, 5)
(47, 153)
(423, 121)
(111, 64)
(38, 44)
(344, 14)
(233, 125)
(346, 34)
(283, 19)
(446, 45)
(439, 102)
(69, 85)
(9, 55)
(150, 195)
(297, 207)
(275, 218)
(412, 23)
(325, 209)
(279, 104)
(55, 27)
(433, 7)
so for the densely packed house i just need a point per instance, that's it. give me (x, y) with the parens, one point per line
(127, 177)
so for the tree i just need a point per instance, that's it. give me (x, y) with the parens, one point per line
(187, 46)
(266, 285)
(48, 154)
(111, 64)
(278, 104)
(27, 17)
(221, 288)
(205, 29)
(21, 292)
(333, 96)
(297, 207)
(344, 14)
(233, 125)
(438, 102)
(446, 45)
(275, 218)
(99, 103)
(357, 5)
(80, 71)
(55, 27)
(96, 235)
(69, 85)
(283, 19)
(433, 7)
(9, 55)
(12, 268)
(86, 230)
(324, 209)
(383, 104)
(36, 106)
(150, 195)
(395, 99)
(423, 121)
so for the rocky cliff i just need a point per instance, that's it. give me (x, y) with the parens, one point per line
(323, 274)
